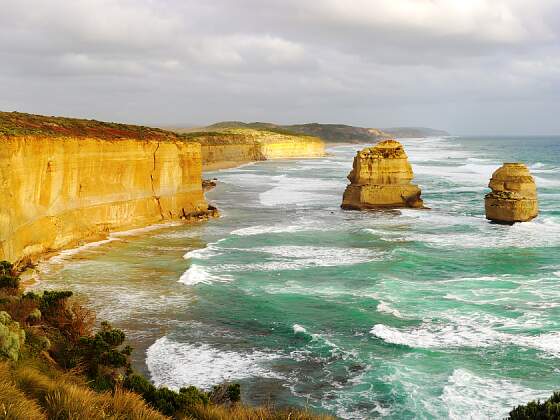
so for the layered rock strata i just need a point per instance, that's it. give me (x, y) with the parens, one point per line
(59, 192)
(381, 178)
(514, 195)
(233, 147)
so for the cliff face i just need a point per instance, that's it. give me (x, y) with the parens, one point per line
(380, 178)
(232, 147)
(514, 195)
(60, 191)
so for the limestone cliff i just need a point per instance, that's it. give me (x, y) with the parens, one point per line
(232, 147)
(380, 178)
(514, 195)
(77, 184)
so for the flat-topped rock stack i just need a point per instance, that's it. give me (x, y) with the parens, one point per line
(381, 178)
(514, 195)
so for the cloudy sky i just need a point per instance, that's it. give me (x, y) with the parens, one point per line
(468, 66)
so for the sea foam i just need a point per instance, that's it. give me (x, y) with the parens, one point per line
(439, 335)
(175, 364)
(468, 396)
(197, 274)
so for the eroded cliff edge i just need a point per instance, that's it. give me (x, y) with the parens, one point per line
(64, 182)
(67, 181)
(230, 147)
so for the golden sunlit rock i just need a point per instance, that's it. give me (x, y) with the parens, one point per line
(381, 178)
(514, 195)
(59, 192)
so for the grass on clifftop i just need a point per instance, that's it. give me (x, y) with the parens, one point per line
(242, 135)
(329, 133)
(21, 124)
(54, 364)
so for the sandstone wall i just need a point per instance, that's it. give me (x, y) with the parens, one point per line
(235, 147)
(221, 156)
(60, 192)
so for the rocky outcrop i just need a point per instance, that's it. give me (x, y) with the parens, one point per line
(380, 178)
(58, 192)
(228, 148)
(514, 195)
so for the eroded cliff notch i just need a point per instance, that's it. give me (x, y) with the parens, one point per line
(514, 195)
(381, 178)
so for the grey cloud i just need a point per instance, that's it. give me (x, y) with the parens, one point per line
(445, 63)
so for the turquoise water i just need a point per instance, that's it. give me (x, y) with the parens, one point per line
(399, 314)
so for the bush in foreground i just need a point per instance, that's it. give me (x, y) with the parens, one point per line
(537, 410)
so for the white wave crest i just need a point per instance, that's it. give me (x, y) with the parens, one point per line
(465, 334)
(541, 232)
(197, 274)
(299, 329)
(294, 257)
(386, 308)
(175, 364)
(467, 396)
(259, 230)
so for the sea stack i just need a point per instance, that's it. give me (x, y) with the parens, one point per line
(514, 195)
(380, 178)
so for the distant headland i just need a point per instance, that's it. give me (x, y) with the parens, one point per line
(329, 133)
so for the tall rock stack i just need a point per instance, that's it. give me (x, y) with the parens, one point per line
(514, 195)
(380, 178)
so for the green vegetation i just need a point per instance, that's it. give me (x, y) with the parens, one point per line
(537, 410)
(12, 337)
(329, 133)
(21, 124)
(55, 365)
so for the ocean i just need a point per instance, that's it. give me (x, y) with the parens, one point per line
(408, 314)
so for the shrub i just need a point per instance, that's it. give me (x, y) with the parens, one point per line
(6, 268)
(9, 282)
(11, 337)
(165, 400)
(8, 278)
(20, 308)
(225, 394)
(536, 410)
(53, 300)
(71, 319)
(105, 357)
(36, 340)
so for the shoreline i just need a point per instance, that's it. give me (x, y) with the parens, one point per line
(213, 167)
(32, 262)
(30, 276)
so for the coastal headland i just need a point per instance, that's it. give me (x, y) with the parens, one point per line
(68, 181)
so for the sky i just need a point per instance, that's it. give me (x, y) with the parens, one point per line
(466, 66)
